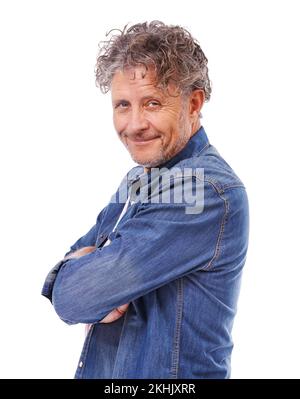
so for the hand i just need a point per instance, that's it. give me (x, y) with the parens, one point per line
(112, 316)
(115, 314)
(80, 252)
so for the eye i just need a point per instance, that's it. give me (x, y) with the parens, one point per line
(122, 104)
(153, 104)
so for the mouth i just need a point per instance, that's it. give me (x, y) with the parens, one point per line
(142, 141)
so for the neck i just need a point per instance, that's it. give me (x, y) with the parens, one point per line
(196, 127)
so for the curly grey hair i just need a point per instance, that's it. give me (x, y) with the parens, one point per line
(171, 50)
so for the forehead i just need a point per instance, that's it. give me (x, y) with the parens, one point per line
(133, 79)
(136, 81)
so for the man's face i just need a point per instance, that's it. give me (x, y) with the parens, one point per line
(154, 125)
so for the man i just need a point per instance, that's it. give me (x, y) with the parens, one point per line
(157, 279)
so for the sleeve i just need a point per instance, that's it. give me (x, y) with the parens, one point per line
(90, 238)
(160, 243)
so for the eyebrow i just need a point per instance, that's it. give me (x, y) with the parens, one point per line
(148, 97)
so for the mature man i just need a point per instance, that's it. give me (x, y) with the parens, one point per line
(157, 278)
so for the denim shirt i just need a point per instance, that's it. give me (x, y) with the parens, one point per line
(179, 270)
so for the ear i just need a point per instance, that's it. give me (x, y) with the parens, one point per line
(196, 101)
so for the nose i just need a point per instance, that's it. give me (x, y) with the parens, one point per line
(137, 122)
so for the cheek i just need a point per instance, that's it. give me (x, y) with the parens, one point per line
(119, 123)
(168, 125)
(161, 122)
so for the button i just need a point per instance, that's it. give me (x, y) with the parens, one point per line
(80, 364)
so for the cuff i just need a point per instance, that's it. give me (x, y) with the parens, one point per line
(50, 280)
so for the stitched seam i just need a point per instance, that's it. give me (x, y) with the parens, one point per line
(84, 352)
(176, 345)
(114, 374)
(214, 183)
(232, 186)
(206, 146)
(220, 236)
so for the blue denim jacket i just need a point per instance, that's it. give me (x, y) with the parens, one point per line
(179, 270)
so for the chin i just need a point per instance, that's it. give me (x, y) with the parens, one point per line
(149, 162)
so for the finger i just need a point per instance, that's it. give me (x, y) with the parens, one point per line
(115, 314)
(112, 316)
(123, 308)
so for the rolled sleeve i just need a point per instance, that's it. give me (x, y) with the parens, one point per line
(50, 279)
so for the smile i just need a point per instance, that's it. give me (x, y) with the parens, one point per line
(143, 141)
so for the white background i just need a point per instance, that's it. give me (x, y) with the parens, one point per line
(61, 161)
